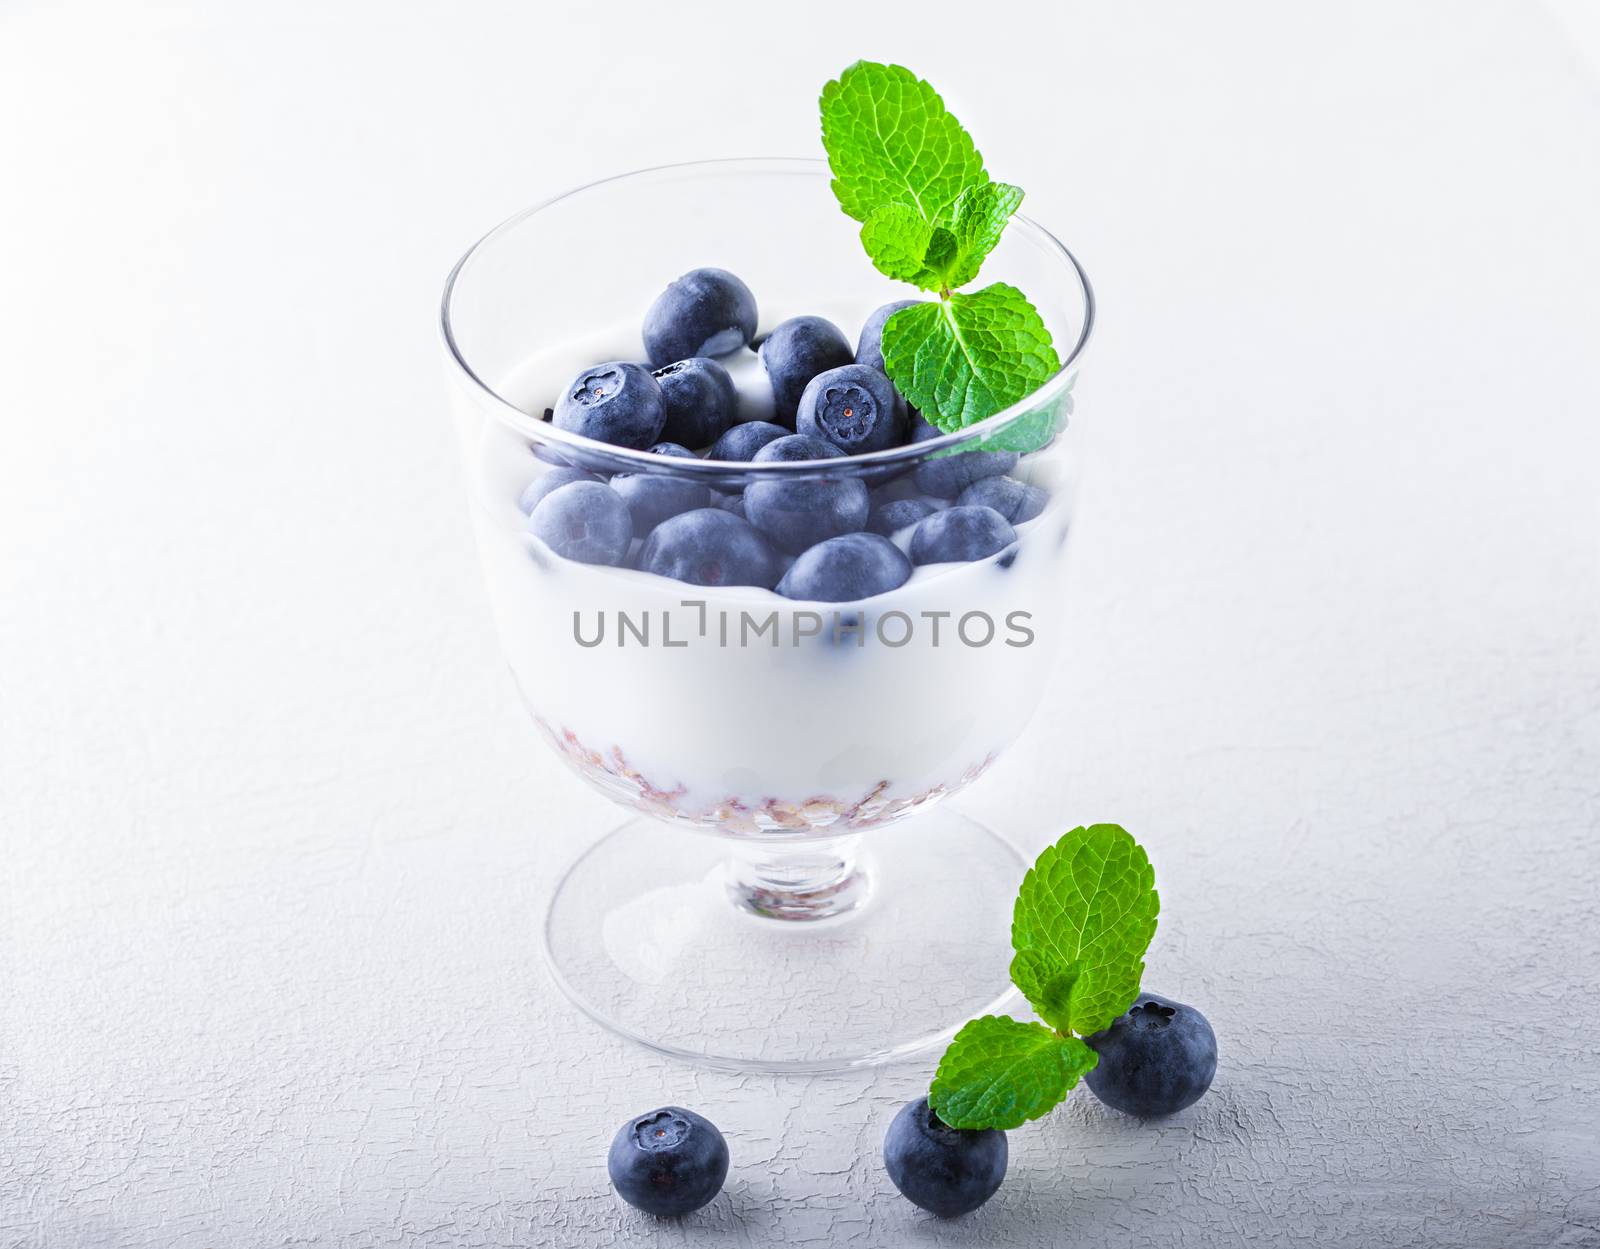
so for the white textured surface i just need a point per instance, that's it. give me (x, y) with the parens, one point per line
(275, 832)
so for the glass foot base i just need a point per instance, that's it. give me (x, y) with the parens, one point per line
(661, 937)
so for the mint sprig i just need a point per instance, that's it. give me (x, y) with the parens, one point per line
(906, 169)
(1083, 919)
(968, 356)
(1000, 1073)
(890, 140)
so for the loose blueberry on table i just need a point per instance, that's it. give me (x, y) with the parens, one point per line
(947, 1171)
(1083, 920)
(668, 1162)
(1158, 1057)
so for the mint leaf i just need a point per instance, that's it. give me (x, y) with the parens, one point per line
(966, 357)
(890, 140)
(897, 240)
(999, 1073)
(904, 246)
(978, 218)
(1087, 909)
(1030, 432)
(1047, 984)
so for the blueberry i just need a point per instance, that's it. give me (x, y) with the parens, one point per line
(1016, 500)
(797, 513)
(960, 534)
(710, 547)
(853, 407)
(544, 483)
(706, 312)
(743, 441)
(869, 347)
(948, 475)
(1155, 1059)
(619, 403)
(796, 449)
(890, 518)
(699, 399)
(583, 520)
(843, 569)
(652, 497)
(733, 503)
(795, 352)
(945, 1170)
(668, 1162)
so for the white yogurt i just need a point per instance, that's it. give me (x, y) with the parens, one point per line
(739, 708)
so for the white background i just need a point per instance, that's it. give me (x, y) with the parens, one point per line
(274, 832)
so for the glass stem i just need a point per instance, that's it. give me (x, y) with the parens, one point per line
(797, 880)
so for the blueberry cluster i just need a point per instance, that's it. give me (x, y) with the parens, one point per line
(1156, 1059)
(832, 537)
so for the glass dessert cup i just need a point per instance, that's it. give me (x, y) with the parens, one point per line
(792, 894)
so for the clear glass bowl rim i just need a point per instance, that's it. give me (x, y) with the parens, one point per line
(545, 433)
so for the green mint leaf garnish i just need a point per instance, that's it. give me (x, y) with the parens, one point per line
(1087, 909)
(1047, 983)
(999, 1073)
(905, 168)
(1084, 917)
(903, 245)
(977, 221)
(890, 140)
(965, 358)
(897, 240)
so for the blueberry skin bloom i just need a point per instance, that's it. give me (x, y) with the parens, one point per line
(586, 521)
(652, 497)
(795, 352)
(668, 1162)
(961, 534)
(706, 312)
(853, 407)
(710, 547)
(1156, 1058)
(1016, 500)
(945, 1170)
(869, 347)
(946, 476)
(846, 569)
(699, 399)
(890, 518)
(743, 441)
(797, 514)
(619, 403)
(544, 483)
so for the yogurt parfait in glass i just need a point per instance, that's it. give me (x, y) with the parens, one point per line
(748, 591)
